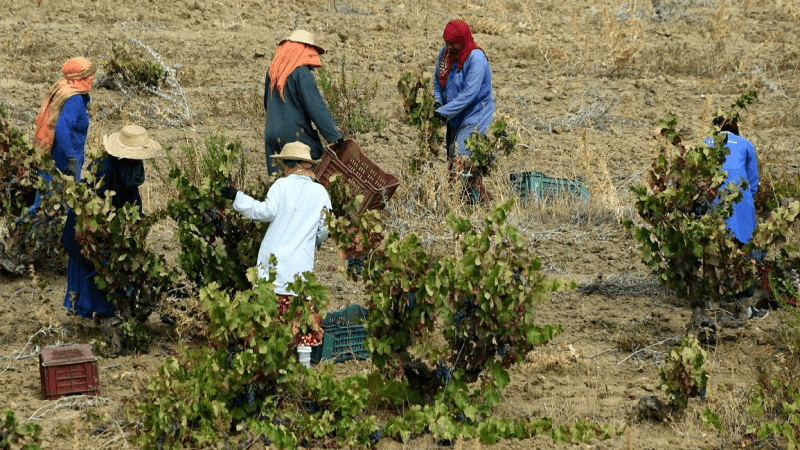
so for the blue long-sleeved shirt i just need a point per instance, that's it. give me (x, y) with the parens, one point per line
(467, 99)
(70, 133)
(70, 139)
(741, 164)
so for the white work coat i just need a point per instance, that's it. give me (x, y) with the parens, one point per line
(294, 205)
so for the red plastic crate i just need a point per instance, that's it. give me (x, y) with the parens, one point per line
(362, 175)
(68, 370)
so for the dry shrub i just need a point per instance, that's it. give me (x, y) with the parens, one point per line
(759, 50)
(189, 317)
(704, 122)
(486, 25)
(600, 183)
(549, 358)
(620, 38)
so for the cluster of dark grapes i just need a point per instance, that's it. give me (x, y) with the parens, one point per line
(355, 264)
(313, 407)
(412, 299)
(375, 437)
(248, 396)
(700, 209)
(233, 348)
(758, 254)
(517, 276)
(216, 219)
(501, 350)
(469, 305)
(443, 372)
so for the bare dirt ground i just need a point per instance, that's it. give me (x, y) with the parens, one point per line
(568, 76)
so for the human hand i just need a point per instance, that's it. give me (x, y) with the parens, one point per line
(437, 105)
(440, 116)
(228, 192)
(338, 144)
(72, 167)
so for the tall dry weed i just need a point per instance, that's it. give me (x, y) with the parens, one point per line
(758, 50)
(620, 38)
(595, 167)
(704, 121)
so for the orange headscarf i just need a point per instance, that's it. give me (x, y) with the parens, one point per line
(78, 77)
(289, 56)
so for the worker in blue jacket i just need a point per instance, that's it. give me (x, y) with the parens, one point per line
(740, 166)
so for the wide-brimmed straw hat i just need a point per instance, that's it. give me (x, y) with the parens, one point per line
(303, 37)
(295, 151)
(131, 142)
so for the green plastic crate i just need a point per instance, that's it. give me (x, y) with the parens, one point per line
(528, 185)
(344, 336)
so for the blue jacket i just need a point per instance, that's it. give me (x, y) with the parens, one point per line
(741, 165)
(467, 98)
(70, 138)
(70, 133)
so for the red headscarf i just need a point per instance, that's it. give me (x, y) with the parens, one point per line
(78, 77)
(456, 31)
(289, 56)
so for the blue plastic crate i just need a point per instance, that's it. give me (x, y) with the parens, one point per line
(344, 336)
(528, 185)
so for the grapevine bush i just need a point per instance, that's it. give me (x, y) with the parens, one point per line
(33, 235)
(248, 386)
(17, 176)
(682, 375)
(217, 243)
(684, 206)
(133, 68)
(16, 436)
(418, 105)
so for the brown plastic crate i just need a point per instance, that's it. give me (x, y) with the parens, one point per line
(362, 175)
(68, 370)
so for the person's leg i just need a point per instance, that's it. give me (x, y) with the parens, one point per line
(72, 298)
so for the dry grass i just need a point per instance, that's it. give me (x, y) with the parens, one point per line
(600, 183)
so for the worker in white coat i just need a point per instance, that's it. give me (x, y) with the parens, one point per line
(296, 206)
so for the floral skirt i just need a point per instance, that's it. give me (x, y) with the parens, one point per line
(314, 337)
(472, 188)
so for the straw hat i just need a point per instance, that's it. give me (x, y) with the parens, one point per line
(303, 37)
(295, 151)
(131, 142)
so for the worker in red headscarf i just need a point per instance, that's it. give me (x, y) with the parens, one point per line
(462, 88)
(292, 100)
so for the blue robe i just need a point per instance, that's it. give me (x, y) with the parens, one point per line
(467, 99)
(123, 176)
